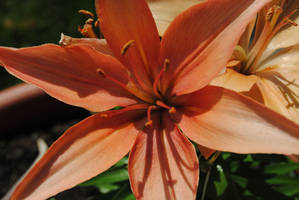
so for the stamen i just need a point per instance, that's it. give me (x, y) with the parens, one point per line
(96, 23)
(126, 46)
(158, 78)
(171, 110)
(102, 73)
(131, 87)
(163, 105)
(86, 13)
(149, 119)
(270, 29)
(104, 115)
(89, 21)
(87, 31)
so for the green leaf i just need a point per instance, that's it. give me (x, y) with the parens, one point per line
(288, 190)
(220, 185)
(108, 177)
(281, 168)
(239, 180)
(122, 162)
(225, 155)
(283, 180)
(124, 193)
(248, 158)
(107, 188)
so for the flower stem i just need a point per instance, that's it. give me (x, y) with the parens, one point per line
(210, 163)
(205, 186)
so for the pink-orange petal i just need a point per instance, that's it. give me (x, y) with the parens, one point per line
(126, 20)
(83, 151)
(70, 74)
(205, 151)
(224, 120)
(199, 51)
(163, 163)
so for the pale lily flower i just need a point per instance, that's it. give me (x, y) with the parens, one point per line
(164, 11)
(265, 64)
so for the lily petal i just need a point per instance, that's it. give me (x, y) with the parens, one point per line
(205, 151)
(85, 150)
(224, 120)
(163, 163)
(235, 81)
(280, 94)
(70, 74)
(195, 62)
(288, 36)
(164, 11)
(127, 20)
(98, 44)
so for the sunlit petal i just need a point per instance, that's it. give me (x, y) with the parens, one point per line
(219, 25)
(127, 20)
(227, 121)
(70, 74)
(85, 150)
(163, 163)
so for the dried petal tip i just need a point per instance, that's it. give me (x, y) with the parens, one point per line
(65, 40)
(86, 13)
(126, 46)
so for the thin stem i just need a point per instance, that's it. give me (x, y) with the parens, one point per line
(205, 186)
(210, 163)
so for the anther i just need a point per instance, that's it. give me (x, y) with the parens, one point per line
(172, 110)
(96, 23)
(149, 123)
(158, 78)
(101, 72)
(86, 13)
(126, 46)
(149, 113)
(292, 22)
(89, 21)
(104, 115)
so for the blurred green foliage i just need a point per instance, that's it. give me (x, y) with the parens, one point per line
(232, 176)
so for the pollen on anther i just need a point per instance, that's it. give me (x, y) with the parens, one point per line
(101, 72)
(172, 110)
(149, 123)
(86, 13)
(126, 46)
(104, 115)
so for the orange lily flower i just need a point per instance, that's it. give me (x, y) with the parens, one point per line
(265, 64)
(163, 87)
